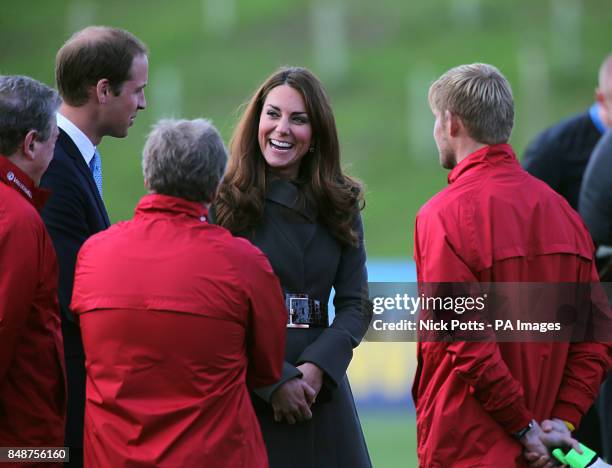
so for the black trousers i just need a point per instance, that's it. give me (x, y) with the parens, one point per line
(605, 417)
(75, 416)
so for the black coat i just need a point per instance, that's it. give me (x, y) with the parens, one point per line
(559, 155)
(73, 213)
(595, 204)
(308, 259)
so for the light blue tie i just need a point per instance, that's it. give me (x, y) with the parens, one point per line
(96, 169)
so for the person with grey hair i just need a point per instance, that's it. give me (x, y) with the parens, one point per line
(185, 159)
(178, 319)
(477, 403)
(32, 390)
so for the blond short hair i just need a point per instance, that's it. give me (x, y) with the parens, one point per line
(481, 96)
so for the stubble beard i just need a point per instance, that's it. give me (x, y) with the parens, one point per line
(447, 158)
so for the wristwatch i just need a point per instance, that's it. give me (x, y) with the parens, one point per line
(518, 435)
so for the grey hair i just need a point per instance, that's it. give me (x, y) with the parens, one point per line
(481, 96)
(25, 104)
(184, 158)
(605, 75)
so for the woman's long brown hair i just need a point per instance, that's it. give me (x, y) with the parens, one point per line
(338, 197)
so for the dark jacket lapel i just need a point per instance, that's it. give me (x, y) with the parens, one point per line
(299, 225)
(86, 176)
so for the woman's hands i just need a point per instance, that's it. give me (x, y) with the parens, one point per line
(313, 375)
(292, 400)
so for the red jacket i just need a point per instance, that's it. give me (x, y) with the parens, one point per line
(32, 376)
(496, 223)
(177, 317)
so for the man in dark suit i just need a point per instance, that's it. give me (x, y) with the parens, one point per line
(559, 154)
(101, 73)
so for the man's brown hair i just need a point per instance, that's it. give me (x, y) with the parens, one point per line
(92, 54)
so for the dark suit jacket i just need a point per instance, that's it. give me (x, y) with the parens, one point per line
(72, 214)
(595, 195)
(559, 155)
(595, 206)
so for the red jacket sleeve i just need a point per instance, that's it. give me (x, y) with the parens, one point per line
(586, 367)
(19, 266)
(478, 364)
(587, 363)
(266, 324)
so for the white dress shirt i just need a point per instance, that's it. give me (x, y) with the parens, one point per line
(84, 144)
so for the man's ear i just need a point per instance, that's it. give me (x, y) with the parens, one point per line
(599, 96)
(29, 145)
(216, 192)
(455, 124)
(103, 90)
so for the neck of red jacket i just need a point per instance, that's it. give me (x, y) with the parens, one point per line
(485, 154)
(16, 178)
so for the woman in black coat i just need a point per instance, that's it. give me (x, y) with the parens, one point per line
(285, 191)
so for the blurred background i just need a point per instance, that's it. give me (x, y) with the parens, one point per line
(377, 60)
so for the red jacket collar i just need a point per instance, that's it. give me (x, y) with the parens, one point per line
(14, 177)
(156, 202)
(485, 154)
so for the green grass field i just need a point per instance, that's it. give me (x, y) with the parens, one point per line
(391, 438)
(389, 52)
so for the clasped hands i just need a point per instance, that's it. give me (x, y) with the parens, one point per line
(541, 439)
(292, 400)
